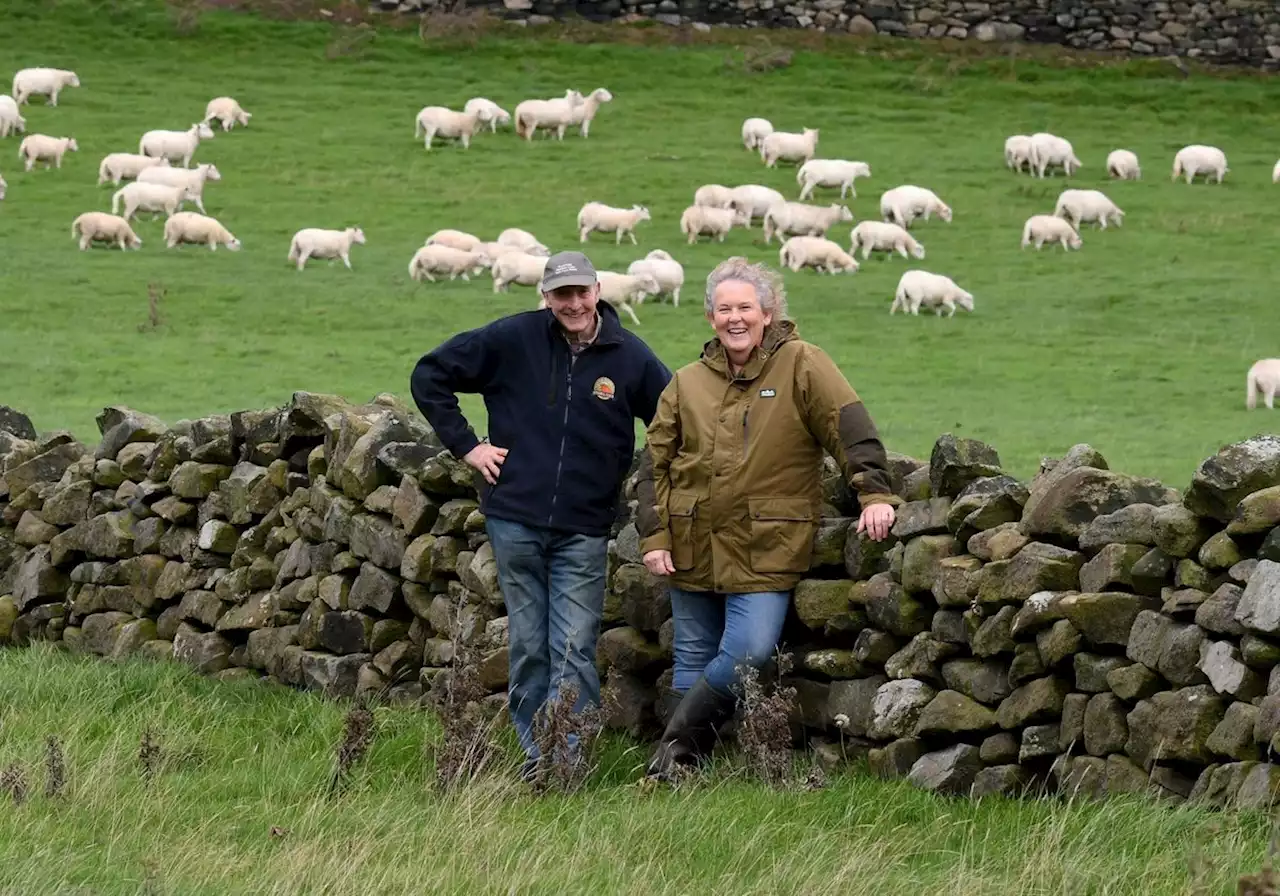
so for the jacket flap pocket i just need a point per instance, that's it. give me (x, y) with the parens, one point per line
(682, 503)
(790, 509)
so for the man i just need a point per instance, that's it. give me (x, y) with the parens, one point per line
(562, 387)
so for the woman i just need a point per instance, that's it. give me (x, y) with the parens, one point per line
(730, 497)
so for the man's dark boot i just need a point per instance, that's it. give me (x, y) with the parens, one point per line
(691, 731)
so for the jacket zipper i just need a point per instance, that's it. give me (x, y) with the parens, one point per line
(744, 432)
(568, 397)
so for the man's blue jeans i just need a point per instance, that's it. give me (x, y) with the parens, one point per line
(715, 632)
(553, 584)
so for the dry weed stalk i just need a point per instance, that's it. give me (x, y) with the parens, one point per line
(55, 781)
(350, 40)
(13, 781)
(466, 739)
(155, 292)
(567, 739)
(149, 755)
(764, 731)
(357, 736)
(454, 23)
(1265, 882)
(185, 16)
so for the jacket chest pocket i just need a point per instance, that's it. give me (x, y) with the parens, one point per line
(681, 512)
(781, 534)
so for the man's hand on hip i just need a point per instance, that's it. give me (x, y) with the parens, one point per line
(488, 460)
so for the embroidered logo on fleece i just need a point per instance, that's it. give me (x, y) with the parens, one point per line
(603, 389)
(767, 393)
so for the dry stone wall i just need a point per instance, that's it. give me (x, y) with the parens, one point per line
(1086, 631)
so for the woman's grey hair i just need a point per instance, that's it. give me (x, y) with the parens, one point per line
(767, 283)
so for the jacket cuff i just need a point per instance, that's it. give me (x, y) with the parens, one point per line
(658, 541)
(464, 446)
(879, 498)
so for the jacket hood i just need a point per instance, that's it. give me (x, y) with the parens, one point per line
(776, 335)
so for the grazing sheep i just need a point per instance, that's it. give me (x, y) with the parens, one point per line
(175, 145)
(1264, 375)
(42, 82)
(227, 111)
(904, 204)
(1123, 164)
(490, 113)
(605, 218)
(316, 242)
(754, 130)
(716, 222)
(1275, 173)
(1042, 229)
(523, 239)
(554, 114)
(1198, 159)
(43, 148)
(882, 237)
(789, 147)
(439, 259)
(192, 180)
(1017, 152)
(713, 196)
(918, 288)
(3, 186)
(623, 290)
(437, 121)
(154, 198)
(10, 121)
(118, 166)
(455, 239)
(830, 173)
(754, 200)
(583, 114)
(665, 270)
(517, 267)
(816, 252)
(100, 227)
(193, 227)
(1079, 206)
(1048, 150)
(785, 218)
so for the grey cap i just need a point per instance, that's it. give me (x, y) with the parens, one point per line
(568, 269)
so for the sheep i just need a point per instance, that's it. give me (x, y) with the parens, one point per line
(1275, 173)
(598, 216)
(118, 166)
(754, 200)
(10, 121)
(193, 227)
(1264, 375)
(494, 250)
(830, 173)
(1042, 229)
(918, 288)
(175, 145)
(147, 197)
(1017, 152)
(785, 146)
(3, 185)
(316, 242)
(439, 259)
(668, 273)
(48, 82)
(1079, 206)
(227, 111)
(877, 235)
(41, 147)
(437, 121)
(716, 222)
(1198, 159)
(101, 227)
(713, 196)
(455, 239)
(531, 115)
(1048, 150)
(903, 204)
(490, 113)
(754, 130)
(583, 114)
(522, 239)
(816, 252)
(622, 290)
(808, 220)
(517, 267)
(191, 180)
(1123, 164)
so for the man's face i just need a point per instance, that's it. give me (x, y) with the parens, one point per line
(574, 307)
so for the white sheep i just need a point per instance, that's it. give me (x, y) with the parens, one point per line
(193, 227)
(918, 288)
(48, 82)
(192, 180)
(440, 259)
(816, 252)
(1079, 206)
(903, 204)
(118, 166)
(882, 237)
(786, 218)
(665, 270)
(3, 186)
(1042, 229)
(1049, 150)
(553, 114)
(317, 242)
(789, 147)
(1263, 375)
(1198, 159)
(1123, 164)
(830, 173)
(43, 148)
(11, 122)
(715, 222)
(755, 130)
(1017, 152)
(101, 227)
(227, 111)
(754, 200)
(582, 115)
(713, 196)
(175, 145)
(455, 239)
(522, 239)
(605, 218)
(490, 113)
(437, 121)
(624, 290)
(1275, 173)
(154, 198)
(517, 267)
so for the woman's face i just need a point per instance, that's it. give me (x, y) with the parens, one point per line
(738, 319)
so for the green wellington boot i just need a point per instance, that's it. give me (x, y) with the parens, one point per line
(691, 731)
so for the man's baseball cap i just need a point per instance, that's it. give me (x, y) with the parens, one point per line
(568, 269)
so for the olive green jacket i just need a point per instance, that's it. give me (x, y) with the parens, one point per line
(730, 479)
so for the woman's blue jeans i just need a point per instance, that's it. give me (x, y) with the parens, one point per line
(715, 632)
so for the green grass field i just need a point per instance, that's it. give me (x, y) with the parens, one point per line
(1138, 344)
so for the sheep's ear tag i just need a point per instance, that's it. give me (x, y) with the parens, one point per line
(767, 393)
